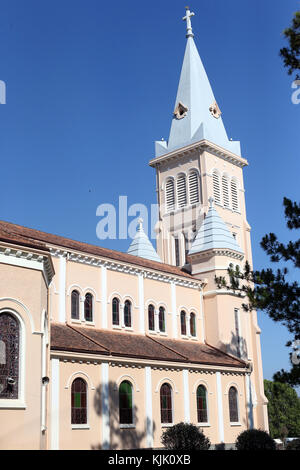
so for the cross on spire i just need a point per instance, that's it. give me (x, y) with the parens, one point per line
(187, 18)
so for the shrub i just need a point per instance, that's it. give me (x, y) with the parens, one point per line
(293, 445)
(183, 436)
(255, 439)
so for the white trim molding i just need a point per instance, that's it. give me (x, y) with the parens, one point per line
(54, 404)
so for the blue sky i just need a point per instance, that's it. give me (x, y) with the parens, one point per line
(92, 84)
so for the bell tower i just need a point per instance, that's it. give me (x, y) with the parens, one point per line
(184, 181)
(202, 216)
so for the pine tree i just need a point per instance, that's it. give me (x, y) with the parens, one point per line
(291, 54)
(270, 290)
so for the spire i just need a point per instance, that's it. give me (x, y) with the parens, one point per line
(141, 245)
(197, 115)
(214, 234)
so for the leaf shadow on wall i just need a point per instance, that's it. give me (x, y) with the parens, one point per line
(122, 438)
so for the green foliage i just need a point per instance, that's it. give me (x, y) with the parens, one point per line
(270, 290)
(183, 436)
(283, 410)
(254, 439)
(291, 54)
(293, 445)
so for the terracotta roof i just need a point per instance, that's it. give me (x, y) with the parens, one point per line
(27, 236)
(9, 236)
(194, 351)
(131, 345)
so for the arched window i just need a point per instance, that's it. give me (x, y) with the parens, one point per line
(201, 404)
(151, 318)
(88, 307)
(79, 402)
(183, 322)
(115, 311)
(225, 190)
(166, 411)
(127, 313)
(161, 320)
(234, 195)
(125, 403)
(9, 356)
(194, 187)
(193, 324)
(75, 305)
(170, 195)
(233, 405)
(181, 191)
(216, 187)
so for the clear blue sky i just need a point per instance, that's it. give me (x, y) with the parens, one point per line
(92, 84)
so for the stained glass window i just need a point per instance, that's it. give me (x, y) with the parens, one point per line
(125, 403)
(233, 405)
(193, 324)
(166, 403)
(9, 356)
(75, 305)
(115, 311)
(151, 317)
(161, 320)
(79, 402)
(183, 323)
(201, 404)
(88, 307)
(127, 313)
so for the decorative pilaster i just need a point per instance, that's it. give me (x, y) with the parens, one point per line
(220, 407)
(186, 396)
(149, 417)
(104, 295)
(54, 437)
(62, 288)
(105, 406)
(174, 310)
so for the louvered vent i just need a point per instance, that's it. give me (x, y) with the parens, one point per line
(234, 196)
(170, 195)
(225, 189)
(181, 191)
(216, 188)
(194, 187)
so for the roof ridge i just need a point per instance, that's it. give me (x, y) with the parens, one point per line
(88, 337)
(167, 347)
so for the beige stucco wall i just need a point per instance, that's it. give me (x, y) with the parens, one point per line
(23, 292)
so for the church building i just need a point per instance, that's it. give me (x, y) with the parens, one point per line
(101, 349)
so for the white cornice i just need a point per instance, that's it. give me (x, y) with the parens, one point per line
(205, 145)
(125, 268)
(115, 361)
(17, 256)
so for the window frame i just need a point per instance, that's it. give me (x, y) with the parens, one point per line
(92, 307)
(113, 313)
(152, 313)
(86, 424)
(75, 291)
(201, 422)
(17, 403)
(162, 310)
(132, 423)
(127, 303)
(237, 422)
(167, 422)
